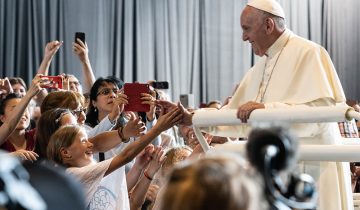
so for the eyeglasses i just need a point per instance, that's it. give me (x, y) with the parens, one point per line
(107, 91)
(78, 112)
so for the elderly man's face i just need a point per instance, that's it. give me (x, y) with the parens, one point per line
(254, 29)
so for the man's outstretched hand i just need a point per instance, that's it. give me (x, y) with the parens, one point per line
(167, 106)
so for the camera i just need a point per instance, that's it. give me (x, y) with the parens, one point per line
(161, 85)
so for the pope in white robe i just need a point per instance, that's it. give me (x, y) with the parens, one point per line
(295, 72)
(292, 71)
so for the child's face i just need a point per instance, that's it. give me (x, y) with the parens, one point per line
(81, 151)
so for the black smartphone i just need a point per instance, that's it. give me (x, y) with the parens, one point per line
(81, 36)
(161, 85)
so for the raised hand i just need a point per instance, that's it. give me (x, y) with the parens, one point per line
(168, 120)
(5, 87)
(81, 50)
(35, 86)
(167, 106)
(157, 159)
(134, 127)
(51, 48)
(143, 158)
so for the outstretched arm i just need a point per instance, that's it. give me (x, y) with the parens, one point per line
(82, 51)
(10, 123)
(50, 50)
(138, 195)
(165, 122)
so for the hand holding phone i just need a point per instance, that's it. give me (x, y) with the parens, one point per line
(133, 92)
(81, 36)
(51, 82)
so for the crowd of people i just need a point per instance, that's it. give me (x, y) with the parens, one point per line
(153, 160)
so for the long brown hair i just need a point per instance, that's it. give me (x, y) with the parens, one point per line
(63, 138)
(62, 99)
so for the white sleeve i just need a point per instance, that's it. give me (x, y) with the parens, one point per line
(104, 125)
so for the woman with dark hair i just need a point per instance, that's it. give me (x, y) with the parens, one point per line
(106, 99)
(15, 115)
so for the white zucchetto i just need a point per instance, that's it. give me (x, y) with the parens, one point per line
(270, 6)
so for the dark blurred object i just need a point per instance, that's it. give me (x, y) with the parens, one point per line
(202, 105)
(81, 36)
(59, 190)
(15, 190)
(160, 85)
(37, 186)
(274, 150)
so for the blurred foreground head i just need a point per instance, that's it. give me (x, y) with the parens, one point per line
(212, 183)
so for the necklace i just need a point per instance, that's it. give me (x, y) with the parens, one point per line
(271, 72)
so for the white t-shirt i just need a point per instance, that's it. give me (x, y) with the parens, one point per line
(103, 193)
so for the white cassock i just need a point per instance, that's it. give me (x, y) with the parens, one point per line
(298, 72)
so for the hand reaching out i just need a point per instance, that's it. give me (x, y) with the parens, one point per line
(134, 127)
(143, 158)
(5, 87)
(157, 159)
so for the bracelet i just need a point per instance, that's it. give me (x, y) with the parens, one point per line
(120, 133)
(147, 176)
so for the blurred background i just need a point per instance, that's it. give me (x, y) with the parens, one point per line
(196, 45)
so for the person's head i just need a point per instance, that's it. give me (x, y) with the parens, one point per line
(214, 104)
(102, 96)
(174, 156)
(71, 100)
(18, 85)
(69, 146)
(212, 183)
(188, 135)
(262, 26)
(49, 122)
(7, 107)
(74, 84)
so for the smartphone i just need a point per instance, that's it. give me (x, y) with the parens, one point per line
(52, 82)
(133, 92)
(161, 85)
(81, 36)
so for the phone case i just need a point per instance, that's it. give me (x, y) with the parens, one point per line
(54, 82)
(80, 35)
(133, 92)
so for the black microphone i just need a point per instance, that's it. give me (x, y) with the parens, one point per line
(280, 139)
(274, 149)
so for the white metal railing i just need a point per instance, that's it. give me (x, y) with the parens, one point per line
(208, 118)
(348, 152)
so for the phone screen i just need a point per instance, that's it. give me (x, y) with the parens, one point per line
(133, 92)
(81, 36)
